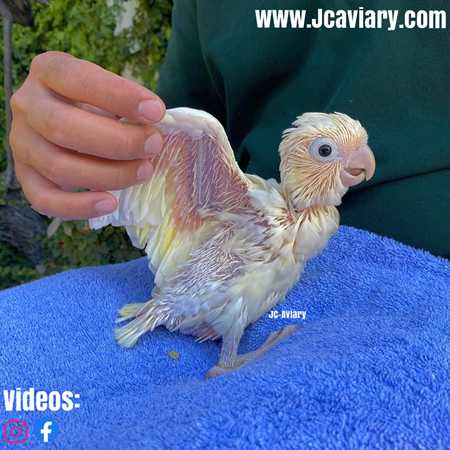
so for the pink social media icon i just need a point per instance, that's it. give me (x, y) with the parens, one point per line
(15, 431)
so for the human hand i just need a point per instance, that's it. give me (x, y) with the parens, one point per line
(66, 133)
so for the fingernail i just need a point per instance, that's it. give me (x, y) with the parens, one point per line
(144, 171)
(153, 144)
(150, 109)
(105, 206)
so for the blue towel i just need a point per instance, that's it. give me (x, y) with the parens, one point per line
(368, 369)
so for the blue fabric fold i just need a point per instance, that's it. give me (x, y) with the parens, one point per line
(369, 368)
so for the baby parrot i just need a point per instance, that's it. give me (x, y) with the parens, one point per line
(226, 247)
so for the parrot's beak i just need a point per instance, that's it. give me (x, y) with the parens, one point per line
(359, 167)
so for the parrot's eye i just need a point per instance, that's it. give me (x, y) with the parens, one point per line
(323, 150)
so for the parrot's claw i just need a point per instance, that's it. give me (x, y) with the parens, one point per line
(219, 370)
(240, 361)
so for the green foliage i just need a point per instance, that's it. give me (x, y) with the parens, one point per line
(150, 35)
(2, 117)
(85, 29)
(75, 245)
(14, 268)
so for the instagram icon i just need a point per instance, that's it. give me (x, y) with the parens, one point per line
(16, 432)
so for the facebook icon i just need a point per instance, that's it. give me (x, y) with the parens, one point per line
(46, 429)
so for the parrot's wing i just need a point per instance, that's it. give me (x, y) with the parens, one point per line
(195, 174)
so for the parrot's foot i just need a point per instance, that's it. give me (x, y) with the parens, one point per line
(230, 361)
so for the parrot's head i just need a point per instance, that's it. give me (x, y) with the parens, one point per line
(321, 157)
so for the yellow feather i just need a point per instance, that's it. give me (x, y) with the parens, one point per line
(169, 233)
(143, 233)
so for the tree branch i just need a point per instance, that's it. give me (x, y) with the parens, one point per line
(19, 225)
(9, 175)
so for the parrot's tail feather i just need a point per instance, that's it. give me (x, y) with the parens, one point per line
(128, 311)
(146, 318)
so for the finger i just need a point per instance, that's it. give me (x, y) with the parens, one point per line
(95, 110)
(68, 168)
(70, 127)
(86, 82)
(83, 106)
(49, 199)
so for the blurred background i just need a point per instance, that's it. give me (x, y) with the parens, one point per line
(126, 37)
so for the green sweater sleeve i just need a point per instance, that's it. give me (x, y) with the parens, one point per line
(184, 78)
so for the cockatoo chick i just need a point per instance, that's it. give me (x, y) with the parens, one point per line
(226, 247)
